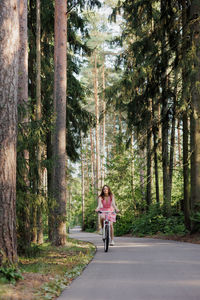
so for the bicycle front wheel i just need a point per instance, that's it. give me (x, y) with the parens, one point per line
(106, 241)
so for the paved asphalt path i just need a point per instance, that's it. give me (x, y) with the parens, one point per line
(138, 269)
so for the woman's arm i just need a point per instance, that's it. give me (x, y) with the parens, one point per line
(99, 204)
(114, 204)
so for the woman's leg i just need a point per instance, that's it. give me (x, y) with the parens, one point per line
(111, 231)
(102, 220)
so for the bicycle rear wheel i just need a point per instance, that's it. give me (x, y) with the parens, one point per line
(106, 241)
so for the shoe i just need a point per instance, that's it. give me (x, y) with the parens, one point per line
(112, 243)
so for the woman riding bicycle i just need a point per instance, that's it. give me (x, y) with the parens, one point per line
(106, 202)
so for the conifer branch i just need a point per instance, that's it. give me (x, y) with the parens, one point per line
(68, 11)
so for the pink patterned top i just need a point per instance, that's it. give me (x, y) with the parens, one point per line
(107, 205)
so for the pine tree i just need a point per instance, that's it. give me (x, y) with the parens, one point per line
(195, 119)
(59, 147)
(23, 211)
(9, 60)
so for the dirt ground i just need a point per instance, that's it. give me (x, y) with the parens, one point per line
(25, 289)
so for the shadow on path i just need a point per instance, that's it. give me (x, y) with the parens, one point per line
(138, 269)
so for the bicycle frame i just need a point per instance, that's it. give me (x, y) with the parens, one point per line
(106, 231)
(106, 221)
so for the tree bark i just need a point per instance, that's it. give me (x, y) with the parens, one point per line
(34, 223)
(38, 118)
(164, 115)
(171, 160)
(133, 171)
(142, 168)
(104, 125)
(23, 58)
(60, 86)
(50, 187)
(195, 105)
(9, 59)
(179, 142)
(149, 169)
(155, 148)
(23, 212)
(159, 127)
(97, 123)
(82, 185)
(185, 122)
(97, 131)
(186, 171)
(92, 159)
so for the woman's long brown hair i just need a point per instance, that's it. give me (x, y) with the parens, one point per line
(109, 191)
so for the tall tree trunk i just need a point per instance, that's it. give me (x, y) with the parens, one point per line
(38, 118)
(23, 59)
(155, 148)
(195, 105)
(142, 168)
(97, 122)
(32, 88)
(24, 210)
(185, 122)
(87, 169)
(32, 43)
(60, 86)
(159, 127)
(164, 114)
(69, 207)
(92, 159)
(186, 171)
(149, 168)
(34, 221)
(171, 160)
(82, 185)
(179, 142)
(9, 59)
(104, 125)
(133, 172)
(50, 186)
(97, 130)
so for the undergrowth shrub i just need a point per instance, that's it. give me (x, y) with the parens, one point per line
(90, 214)
(10, 274)
(151, 222)
(124, 223)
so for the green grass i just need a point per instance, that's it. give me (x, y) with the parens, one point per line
(58, 265)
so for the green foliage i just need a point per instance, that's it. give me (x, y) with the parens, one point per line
(124, 223)
(195, 218)
(32, 250)
(57, 266)
(153, 222)
(75, 202)
(177, 187)
(90, 214)
(53, 288)
(10, 274)
(74, 272)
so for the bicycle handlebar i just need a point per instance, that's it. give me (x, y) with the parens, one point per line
(105, 211)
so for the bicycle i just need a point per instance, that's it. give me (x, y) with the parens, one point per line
(106, 229)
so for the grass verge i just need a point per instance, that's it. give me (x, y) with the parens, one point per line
(48, 271)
